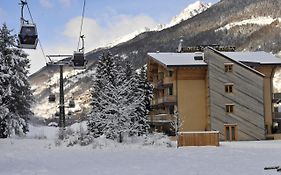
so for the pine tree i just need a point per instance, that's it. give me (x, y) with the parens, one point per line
(119, 101)
(104, 117)
(4, 93)
(16, 97)
(146, 88)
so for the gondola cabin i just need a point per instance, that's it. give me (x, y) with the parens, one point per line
(28, 36)
(71, 103)
(78, 60)
(52, 98)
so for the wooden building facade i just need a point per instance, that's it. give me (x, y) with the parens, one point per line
(229, 92)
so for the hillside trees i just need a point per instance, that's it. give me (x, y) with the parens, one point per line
(15, 93)
(119, 102)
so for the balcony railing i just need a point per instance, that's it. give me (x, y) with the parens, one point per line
(154, 102)
(276, 122)
(160, 118)
(168, 80)
(276, 98)
(276, 116)
(167, 99)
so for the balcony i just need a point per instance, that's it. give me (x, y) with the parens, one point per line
(276, 125)
(277, 116)
(160, 118)
(276, 98)
(168, 80)
(168, 100)
(154, 103)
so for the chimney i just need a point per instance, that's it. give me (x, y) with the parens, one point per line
(180, 46)
(198, 56)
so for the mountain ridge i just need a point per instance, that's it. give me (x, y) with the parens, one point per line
(201, 29)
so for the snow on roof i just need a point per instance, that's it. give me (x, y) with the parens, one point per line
(254, 57)
(177, 59)
(187, 59)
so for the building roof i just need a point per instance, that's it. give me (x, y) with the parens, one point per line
(254, 57)
(187, 59)
(176, 59)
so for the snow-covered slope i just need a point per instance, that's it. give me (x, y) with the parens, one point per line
(260, 20)
(44, 109)
(189, 12)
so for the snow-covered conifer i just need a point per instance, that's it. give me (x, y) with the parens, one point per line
(16, 95)
(119, 102)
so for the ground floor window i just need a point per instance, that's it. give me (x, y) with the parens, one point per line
(230, 132)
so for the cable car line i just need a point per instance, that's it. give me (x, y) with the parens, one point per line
(39, 41)
(78, 58)
(82, 22)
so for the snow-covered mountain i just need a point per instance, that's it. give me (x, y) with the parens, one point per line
(189, 12)
(246, 24)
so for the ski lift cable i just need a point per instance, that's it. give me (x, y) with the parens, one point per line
(40, 44)
(81, 26)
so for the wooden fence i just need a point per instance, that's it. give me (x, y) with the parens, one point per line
(204, 138)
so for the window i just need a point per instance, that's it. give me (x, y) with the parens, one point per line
(161, 75)
(229, 108)
(228, 67)
(170, 91)
(230, 132)
(170, 74)
(228, 88)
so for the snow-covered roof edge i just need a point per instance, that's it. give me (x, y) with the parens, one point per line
(237, 62)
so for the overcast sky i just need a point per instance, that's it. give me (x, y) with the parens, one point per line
(58, 21)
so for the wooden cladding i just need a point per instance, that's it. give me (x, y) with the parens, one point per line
(245, 106)
(192, 73)
(204, 138)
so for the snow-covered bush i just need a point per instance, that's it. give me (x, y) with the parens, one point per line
(158, 139)
(80, 137)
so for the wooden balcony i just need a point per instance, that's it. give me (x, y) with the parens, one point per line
(168, 80)
(276, 123)
(276, 98)
(170, 100)
(154, 102)
(160, 118)
(276, 116)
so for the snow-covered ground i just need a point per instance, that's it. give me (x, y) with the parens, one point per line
(31, 156)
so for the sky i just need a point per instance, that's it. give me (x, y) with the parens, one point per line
(58, 21)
